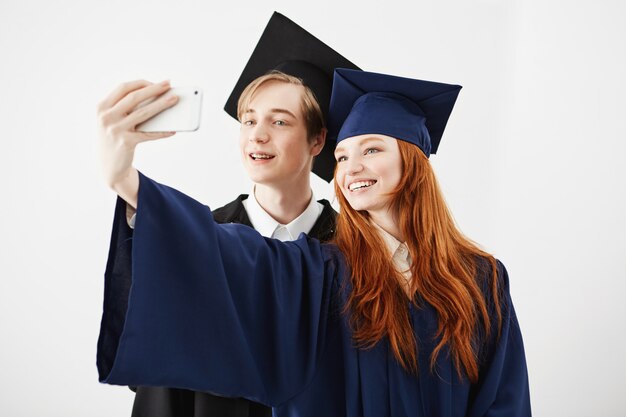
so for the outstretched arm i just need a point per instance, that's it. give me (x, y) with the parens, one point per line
(215, 308)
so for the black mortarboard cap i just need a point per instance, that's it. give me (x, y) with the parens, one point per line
(286, 47)
(415, 111)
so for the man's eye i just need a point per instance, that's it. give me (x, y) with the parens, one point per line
(280, 122)
(341, 159)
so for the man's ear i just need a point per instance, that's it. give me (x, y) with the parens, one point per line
(318, 142)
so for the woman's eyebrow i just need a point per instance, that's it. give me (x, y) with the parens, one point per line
(370, 139)
(361, 142)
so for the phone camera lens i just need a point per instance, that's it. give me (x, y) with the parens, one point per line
(195, 92)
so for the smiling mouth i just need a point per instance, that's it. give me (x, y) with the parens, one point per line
(359, 185)
(261, 156)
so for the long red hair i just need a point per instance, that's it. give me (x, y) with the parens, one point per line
(444, 272)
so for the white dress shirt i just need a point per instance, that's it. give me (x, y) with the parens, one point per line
(268, 227)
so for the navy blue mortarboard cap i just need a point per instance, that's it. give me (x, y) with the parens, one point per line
(415, 111)
(287, 47)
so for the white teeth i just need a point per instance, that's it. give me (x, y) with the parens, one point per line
(261, 156)
(360, 184)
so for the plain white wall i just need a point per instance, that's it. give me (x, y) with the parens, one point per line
(531, 165)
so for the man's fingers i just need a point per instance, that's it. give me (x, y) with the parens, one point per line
(120, 92)
(131, 101)
(132, 139)
(144, 113)
(147, 136)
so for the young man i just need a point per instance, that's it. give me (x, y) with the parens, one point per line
(282, 117)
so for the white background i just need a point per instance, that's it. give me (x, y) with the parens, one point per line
(532, 165)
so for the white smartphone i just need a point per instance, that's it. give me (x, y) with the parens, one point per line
(184, 116)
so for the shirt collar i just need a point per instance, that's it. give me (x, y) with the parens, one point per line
(391, 242)
(397, 250)
(269, 227)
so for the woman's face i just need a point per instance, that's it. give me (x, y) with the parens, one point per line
(369, 168)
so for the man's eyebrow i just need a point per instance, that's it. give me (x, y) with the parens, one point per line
(275, 110)
(285, 111)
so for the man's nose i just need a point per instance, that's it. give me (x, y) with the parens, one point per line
(259, 134)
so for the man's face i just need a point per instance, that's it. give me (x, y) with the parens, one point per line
(273, 136)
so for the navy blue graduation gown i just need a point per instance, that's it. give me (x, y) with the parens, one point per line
(220, 309)
(174, 402)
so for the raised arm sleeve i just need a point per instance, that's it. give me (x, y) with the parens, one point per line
(215, 308)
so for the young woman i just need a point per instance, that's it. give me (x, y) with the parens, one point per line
(403, 316)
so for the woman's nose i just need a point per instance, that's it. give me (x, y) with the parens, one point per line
(353, 166)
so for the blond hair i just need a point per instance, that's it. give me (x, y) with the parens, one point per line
(311, 110)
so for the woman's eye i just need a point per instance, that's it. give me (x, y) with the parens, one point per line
(248, 122)
(341, 159)
(371, 151)
(280, 122)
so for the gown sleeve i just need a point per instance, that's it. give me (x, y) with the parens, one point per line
(502, 390)
(214, 308)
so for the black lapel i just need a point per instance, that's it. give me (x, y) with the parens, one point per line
(233, 212)
(324, 227)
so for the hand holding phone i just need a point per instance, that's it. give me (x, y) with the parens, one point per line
(184, 116)
(117, 134)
